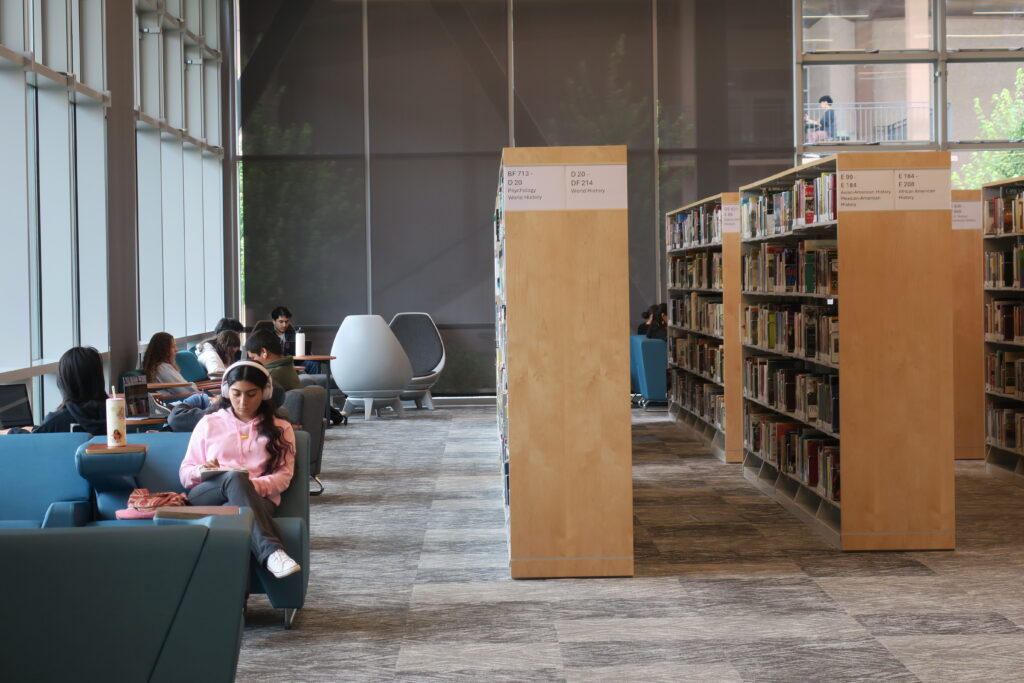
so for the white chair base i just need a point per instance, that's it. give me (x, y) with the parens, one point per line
(371, 405)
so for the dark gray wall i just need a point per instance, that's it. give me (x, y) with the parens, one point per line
(700, 91)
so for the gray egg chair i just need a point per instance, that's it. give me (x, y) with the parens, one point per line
(418, 335)
(369, 365)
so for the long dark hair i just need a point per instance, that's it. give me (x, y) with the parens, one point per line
(159, 351)
(276, 447)
(223, 342)
(80, 375)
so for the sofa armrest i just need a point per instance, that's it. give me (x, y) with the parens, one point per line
(64, 513)
(109, 471)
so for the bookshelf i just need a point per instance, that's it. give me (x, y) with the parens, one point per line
(702, 248)
(1003, 255)
(562, 311)
(881, 478)
(968, 323)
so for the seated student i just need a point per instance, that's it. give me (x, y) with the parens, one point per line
(282, 318)
(159, 365)
(659, 322)
(257, 448)
(234, 326)
(649, 314)
(81, 384)
(264, 347)
(218, 353)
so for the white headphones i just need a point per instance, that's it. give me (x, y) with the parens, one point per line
(268, 390)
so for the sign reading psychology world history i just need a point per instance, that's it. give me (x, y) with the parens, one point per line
(565, 187)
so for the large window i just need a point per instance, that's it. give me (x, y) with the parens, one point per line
(181, 234)
(52, 170)
(914, 74)
(54, 188)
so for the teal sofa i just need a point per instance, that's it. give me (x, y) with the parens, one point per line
(41, 484)
(155, 603)
(113, 476)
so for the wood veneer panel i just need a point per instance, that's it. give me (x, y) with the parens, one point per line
(732, 301)
(570, 443)
(968, 339)
(896, 317)
(524, 156)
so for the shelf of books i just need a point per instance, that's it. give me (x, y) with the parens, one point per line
(702, 253)
(1003, 221)
(561, 233)
(882, 479)
(968, 321)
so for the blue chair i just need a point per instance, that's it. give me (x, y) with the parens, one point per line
(651, 360)
(113, 476)
(42, 487)
(155, 603)
(191, 369)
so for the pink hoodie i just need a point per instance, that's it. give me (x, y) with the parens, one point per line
(234, 443)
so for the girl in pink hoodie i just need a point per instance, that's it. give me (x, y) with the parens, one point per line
(242, 454)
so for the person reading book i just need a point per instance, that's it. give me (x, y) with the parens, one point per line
(242, 454)
(81, 384)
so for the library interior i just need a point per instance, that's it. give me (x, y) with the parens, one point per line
(501, 340)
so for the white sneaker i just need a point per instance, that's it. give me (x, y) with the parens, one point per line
(280, 565)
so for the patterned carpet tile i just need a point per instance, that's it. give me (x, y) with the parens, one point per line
(410, 579)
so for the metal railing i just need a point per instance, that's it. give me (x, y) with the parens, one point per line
(871, 122)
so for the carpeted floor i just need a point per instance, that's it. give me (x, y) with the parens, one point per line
(409, 579)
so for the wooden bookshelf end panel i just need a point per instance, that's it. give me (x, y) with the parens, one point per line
(968, 338)
(570, 460)
(897, 388)
(733, 371)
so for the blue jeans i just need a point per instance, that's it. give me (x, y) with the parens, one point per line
(197, 401)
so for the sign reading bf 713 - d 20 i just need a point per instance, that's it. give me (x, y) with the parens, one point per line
(565, 187)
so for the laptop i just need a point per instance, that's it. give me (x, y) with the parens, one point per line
(289, 349)
(15, 410)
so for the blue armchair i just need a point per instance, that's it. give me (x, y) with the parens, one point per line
(650, 360)
(113, 476)
(42, 487)
(155, 603)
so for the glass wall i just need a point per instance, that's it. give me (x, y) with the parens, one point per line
(372, 134)
(52, 158)
(915, 74)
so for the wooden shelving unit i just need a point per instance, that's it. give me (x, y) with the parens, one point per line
(881, 478)
(968, 323)
(702, 247)
(1003, 251)
(561, 234)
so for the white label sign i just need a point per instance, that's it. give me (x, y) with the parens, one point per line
(866, 190)
(922, 189)
(600, 186)
(967, 215)
(560, 188)
(534, 188)
(730, 218)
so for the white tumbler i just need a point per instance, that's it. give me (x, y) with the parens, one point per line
(115, 423)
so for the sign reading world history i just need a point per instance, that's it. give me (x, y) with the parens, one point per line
(565, 187)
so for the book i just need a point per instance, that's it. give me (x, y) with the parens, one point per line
(212, 472)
